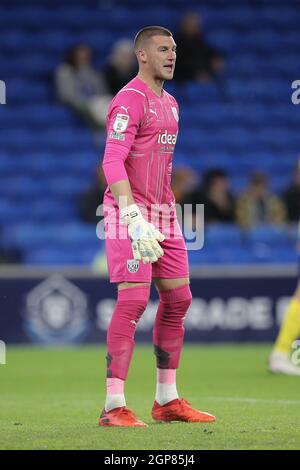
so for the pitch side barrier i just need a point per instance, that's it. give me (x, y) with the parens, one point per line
(67, 305)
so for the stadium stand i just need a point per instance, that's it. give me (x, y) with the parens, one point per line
(47, 156)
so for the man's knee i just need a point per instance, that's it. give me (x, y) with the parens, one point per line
(130, 306)
(167, 284)
(178, 294)
(174, 304)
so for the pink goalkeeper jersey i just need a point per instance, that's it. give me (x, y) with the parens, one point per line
(146, 127)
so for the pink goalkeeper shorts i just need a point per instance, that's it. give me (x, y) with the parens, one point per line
(122, 267)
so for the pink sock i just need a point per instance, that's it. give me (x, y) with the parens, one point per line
(166, 376)
(115, 386)
(115, 397)
(168, 331)
(166, 390)
(129, 308)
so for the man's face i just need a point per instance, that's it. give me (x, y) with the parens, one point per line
(260, 189)
(160, 55)
(220, 184)
(191, 25)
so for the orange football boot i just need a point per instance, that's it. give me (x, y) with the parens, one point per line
(120, 416)
(180, 410)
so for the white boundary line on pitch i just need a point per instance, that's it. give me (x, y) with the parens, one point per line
(255, 400)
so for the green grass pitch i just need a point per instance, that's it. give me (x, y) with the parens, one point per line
(51, 399)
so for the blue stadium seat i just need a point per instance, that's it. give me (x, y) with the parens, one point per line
(26, 235)
(11, 213)
(59, 256)
(28, 90)
(60, 235)
(51, 211)
(48, 157)
(68, 186)
(271, 235)
(22, 188)
(222, 234)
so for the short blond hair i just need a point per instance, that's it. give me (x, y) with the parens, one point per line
(147, 33)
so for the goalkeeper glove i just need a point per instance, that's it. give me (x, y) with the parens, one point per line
(143, 235)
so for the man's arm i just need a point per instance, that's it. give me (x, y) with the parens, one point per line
(122, 129)
(144, 236)
(122, 193)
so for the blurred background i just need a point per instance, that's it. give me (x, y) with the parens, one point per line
(237, 153)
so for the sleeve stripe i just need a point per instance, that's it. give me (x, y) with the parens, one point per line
(132, 89)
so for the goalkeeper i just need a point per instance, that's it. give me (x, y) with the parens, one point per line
(142, 128)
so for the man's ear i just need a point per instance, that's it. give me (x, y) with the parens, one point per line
(142, 56)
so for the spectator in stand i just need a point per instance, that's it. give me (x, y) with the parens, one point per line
(291, 197)
(257, 205)
(183, 181)
(196, 59)
(215, 194)
(121, 67)
(80, 86)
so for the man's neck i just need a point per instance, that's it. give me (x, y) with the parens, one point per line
(156, 85)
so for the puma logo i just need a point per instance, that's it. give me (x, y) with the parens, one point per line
(126, 109)
(153, 112)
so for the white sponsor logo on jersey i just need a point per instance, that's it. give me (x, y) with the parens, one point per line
(121, 122)
(167, 138)
(133, 265)
(175, 114)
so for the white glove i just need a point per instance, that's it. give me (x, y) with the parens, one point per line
(143, 235)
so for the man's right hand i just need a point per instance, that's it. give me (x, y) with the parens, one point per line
(143, 235)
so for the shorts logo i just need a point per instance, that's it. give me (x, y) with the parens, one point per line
(121, 122)
(133, 265)
(175, 114)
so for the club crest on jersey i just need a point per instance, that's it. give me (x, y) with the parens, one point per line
(121, 122)
(175, 114)
(133, 265)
